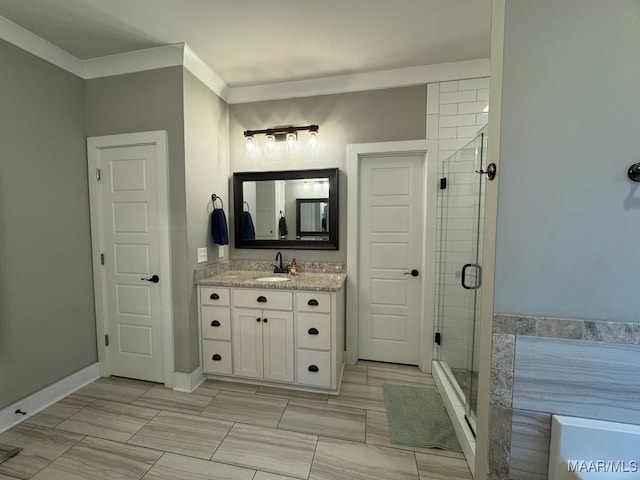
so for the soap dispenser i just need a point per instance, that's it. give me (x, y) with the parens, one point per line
(293, 269)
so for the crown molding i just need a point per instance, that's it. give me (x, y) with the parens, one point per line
(180, 54)
(400, 77)
(204, 73)
(137, 61)
(24, 39)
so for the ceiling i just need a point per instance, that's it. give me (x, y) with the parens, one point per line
(254, 42)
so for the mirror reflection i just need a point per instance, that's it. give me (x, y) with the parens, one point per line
(312, 216)
(293, 209)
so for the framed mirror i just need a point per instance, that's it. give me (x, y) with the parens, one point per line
(286, 209)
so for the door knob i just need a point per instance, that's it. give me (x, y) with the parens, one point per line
(153, 279)
(413, 273)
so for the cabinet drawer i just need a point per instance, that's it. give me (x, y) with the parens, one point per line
(216, 357)
(313, 302)
(313, 368)
(214, 296)
(313, 330)
(216, 323)
(263, 299)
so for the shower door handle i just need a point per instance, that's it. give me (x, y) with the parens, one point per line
(478, 276)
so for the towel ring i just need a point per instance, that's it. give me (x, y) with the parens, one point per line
(246, 204)
(214, 197)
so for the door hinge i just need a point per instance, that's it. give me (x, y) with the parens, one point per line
(98, 174)
(106, 340)
(102, 259)
(438, 338)
(443, 183)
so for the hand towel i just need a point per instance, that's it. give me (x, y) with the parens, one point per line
(248, 230)
(282, 227)
(219, 230)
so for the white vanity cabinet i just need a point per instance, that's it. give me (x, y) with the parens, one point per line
(263, 334)
(273, 336)
(263, 344)
(215, 330)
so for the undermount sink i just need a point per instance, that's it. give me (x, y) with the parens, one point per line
(273, 279)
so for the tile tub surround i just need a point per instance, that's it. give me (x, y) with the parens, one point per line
(524, 394)
(308, 438)
(322, 282)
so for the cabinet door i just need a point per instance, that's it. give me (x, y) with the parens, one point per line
(277, 335)
(247, 343)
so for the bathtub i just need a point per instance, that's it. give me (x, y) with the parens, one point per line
(583, 448)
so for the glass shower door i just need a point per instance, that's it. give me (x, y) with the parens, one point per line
(459, 273)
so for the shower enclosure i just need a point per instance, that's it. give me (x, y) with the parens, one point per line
(458, 284)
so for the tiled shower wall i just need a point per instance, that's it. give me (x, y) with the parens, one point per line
(455, 112)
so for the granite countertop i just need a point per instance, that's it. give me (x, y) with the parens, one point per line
(324, 282)
(317, 276)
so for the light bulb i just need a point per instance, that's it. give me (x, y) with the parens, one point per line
(313, 142)
(249, 145)
(291, 141)
(271, 144)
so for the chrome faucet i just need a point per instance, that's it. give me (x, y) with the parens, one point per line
(281, 268)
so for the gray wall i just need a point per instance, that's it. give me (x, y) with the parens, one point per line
(145, 101)
(47, 326)
(568, 217)
(373, 116)
(206, 142)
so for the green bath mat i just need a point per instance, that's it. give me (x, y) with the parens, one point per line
(8, 451)
(417, 418)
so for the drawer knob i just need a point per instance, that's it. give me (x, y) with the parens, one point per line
(214, 296)
(265, 320)
(313, 302)
(313, 368)
(313, 331)
(258, 319)
(215, 323)
(262, 299)
(216, 357)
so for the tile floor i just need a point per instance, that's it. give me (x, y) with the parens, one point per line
(125, 429)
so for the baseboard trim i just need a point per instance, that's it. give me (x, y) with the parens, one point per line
(188, 382)
(47, 396)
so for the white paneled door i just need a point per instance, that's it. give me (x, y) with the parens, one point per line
(390, 276)
(127, 194)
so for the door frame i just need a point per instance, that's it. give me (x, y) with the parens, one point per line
(94, 145)
(356, 154)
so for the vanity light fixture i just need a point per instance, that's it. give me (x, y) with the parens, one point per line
(279, 134)
(271, 144)
(292, 138)
(250, 145)
(313, 141)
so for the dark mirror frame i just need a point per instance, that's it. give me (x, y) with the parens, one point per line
(299, 203)
(331, 173)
